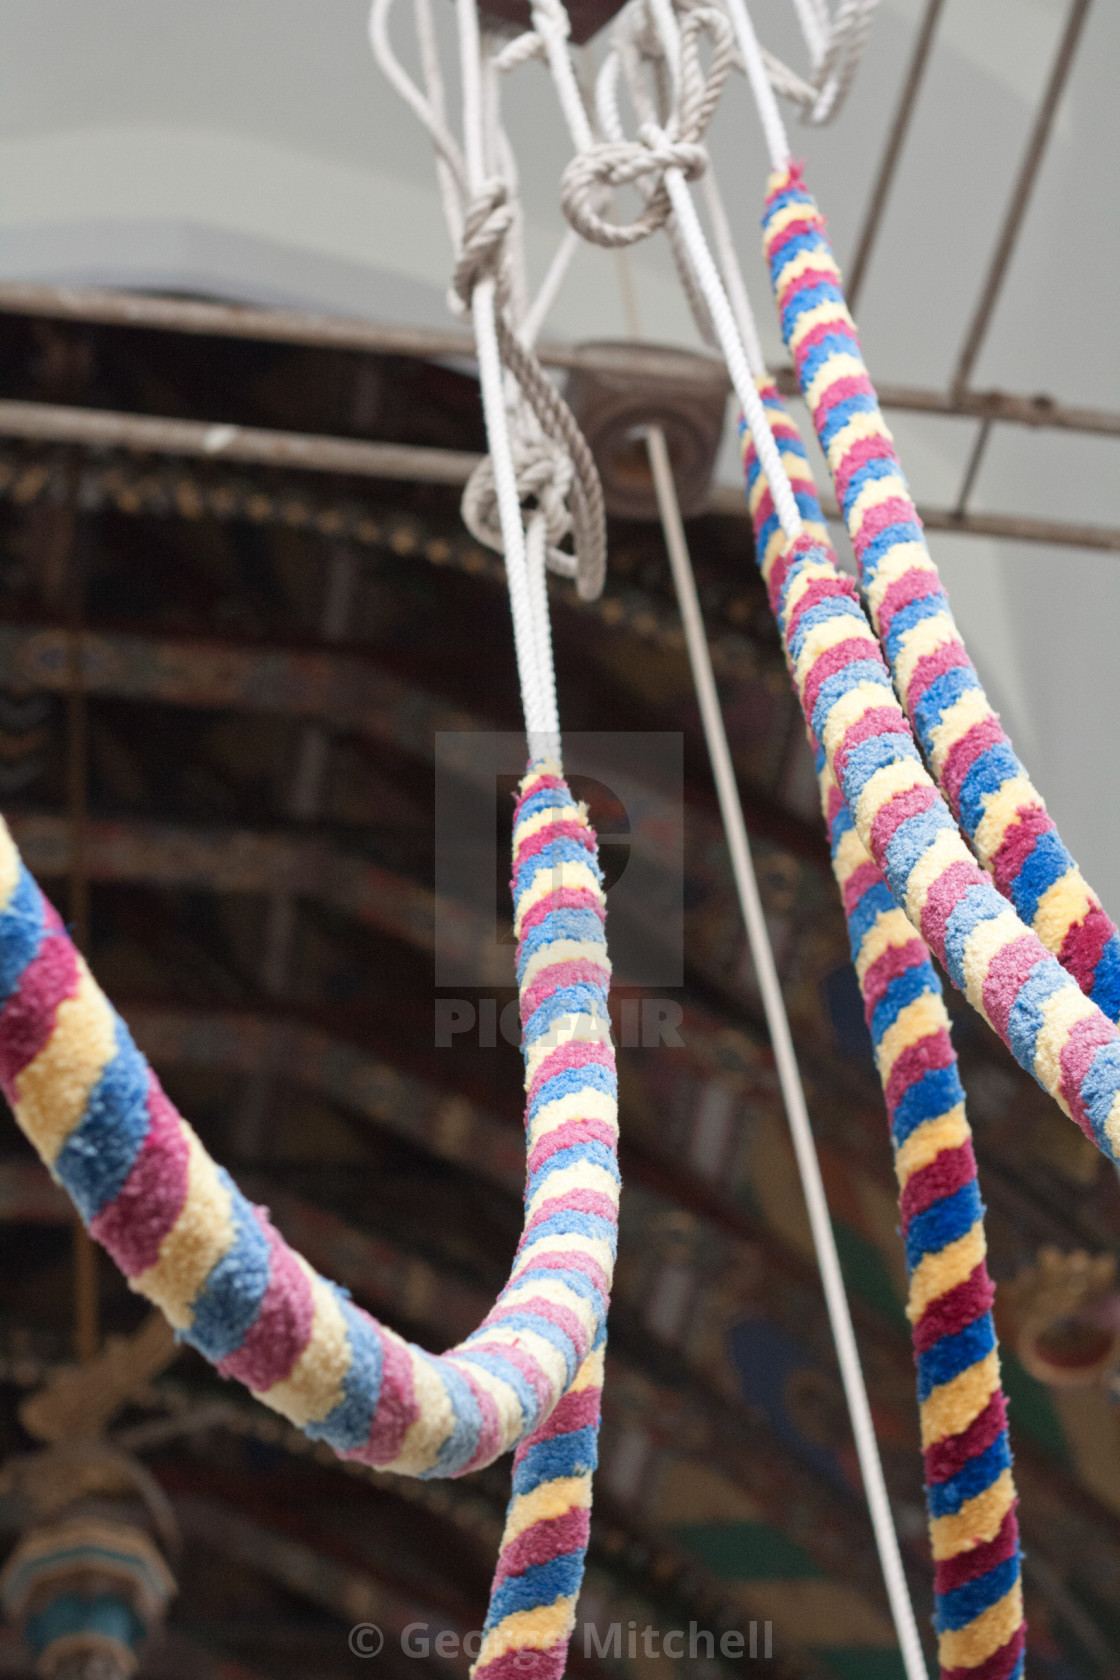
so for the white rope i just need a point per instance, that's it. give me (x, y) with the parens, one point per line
(732, 275)
(424, 108)
(536, 567)
(550, 19)
(661, 142)
(536, 448)
(773, 128)
(785, 1059)
(738, 337)
(480, 241)
(835, 45)
(813, 18)
(785, 503)
(836, 72)
(533, 649)
(433, 81)
(541, 306)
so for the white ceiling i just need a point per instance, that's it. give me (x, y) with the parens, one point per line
(251, 151)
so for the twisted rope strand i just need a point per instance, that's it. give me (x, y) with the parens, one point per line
(986, 785)
(970, 1495)
(188, 1240)
(1054, 1032)
(617, 162)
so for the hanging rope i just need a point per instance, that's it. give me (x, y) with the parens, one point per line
(785, 1058)
(970, 1494)
(1062, 1038)
(658, 164)
(537, 456)
(480, 206)
(959, 731)
(836, 46)
(188, 1240)
(592, 169)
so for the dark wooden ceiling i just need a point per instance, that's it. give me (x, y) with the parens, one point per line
(272, 951)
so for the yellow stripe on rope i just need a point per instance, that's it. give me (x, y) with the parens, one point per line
(534, 1630)
(969, 1646)
(53, 1090)
(954, 1405)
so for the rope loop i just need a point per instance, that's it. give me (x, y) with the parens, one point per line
(554, 468)
(674, 142)
(544, 480)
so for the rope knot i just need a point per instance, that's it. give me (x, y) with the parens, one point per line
(486, 223)
(673, 142)
(689, 156)
(544, 471)
(555, 16)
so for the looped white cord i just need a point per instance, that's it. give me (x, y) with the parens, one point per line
(537, 454)
(479, 232)
(677, 50)
(834, 75)
(836, 46)
(544, 476)
(659, 150)
(748, 362)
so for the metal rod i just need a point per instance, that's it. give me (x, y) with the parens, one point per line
(972, 470)
(896, 140)
(1020, 198)
(725, 499)
(102, 306)
(129, 309)
(100, 429)
(106, 307)
(103, 429)
(1041, 411)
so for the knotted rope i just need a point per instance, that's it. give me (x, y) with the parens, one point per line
(552, 461)
(617, 162)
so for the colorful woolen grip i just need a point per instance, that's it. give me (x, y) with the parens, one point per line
(1055, 1032)
(986, 786)
(970, 1494)
(186, 1237)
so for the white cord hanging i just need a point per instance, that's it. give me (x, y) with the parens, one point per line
(766, 102)
(835, 44)
(660, 149)
(739, 334)
(532, 640)
(660, 162)
(536, 449)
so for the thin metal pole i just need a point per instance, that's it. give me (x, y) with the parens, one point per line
(972, 470)
(51, 423)
(1020, 198)
(725, 499)
(95, 428)
(1040, 412)
(896, 140)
